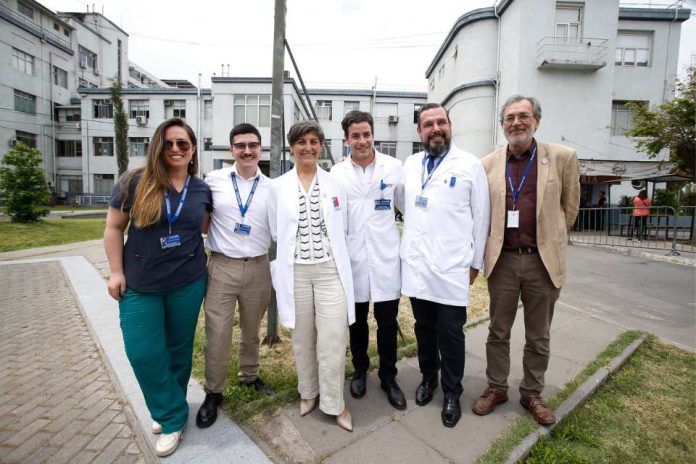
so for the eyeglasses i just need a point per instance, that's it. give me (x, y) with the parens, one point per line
(243, 146)
(183, 145)
(523, 117)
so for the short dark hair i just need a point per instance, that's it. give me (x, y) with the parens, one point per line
(536, 106)
(244, 128)
(430, 106)
(302, 128)
(356, 117)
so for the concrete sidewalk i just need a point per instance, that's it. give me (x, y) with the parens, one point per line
(382, 434)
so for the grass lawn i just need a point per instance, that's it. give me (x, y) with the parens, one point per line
(278, 363)
(645, 413)
(49, 232)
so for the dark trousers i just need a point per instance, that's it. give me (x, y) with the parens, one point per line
(387, 328)
(440, 336)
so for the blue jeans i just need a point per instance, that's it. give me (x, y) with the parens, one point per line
(158, 332)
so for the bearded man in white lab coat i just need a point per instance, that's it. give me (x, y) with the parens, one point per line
(445, 227)
(374, 184)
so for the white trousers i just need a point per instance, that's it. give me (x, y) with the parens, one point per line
(319, 338)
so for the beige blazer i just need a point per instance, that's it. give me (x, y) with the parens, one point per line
(558, 198)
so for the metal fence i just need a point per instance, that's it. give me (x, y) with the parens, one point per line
(85, 199)
(663, 229)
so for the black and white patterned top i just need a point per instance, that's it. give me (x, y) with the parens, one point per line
(312, 241)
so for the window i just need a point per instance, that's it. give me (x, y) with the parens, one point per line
(87, 58)
(60, 77)
(56, 27)
(24, 102)
(568, 23)
(297, 114)
(417, 147)
(175, 108)
(82, 82)
(633, 48)
(349, 106)
(138, 146)
(416, 112)
(22, 62)
(103, 146)
(138, 108)
(621, 117)
(69, 148)
(253, 109)
(217, 164)
(27, 138)
(208, 110)
(119, 60)
(66, 32)
(388, 148)
(70, 184)
(384, 110)
(323, 109)
(25, 9)
(69, 115)
(103, 184)
(103, 109)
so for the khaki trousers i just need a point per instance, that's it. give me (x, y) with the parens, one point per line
(520, 275)
(319, 338)
(232, 281)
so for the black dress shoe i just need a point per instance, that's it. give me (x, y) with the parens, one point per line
(451, 412)
(424, 392)
(358, 385)
(394, 394)
(258, 385)
(207, 414)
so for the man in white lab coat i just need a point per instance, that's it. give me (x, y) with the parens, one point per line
(373, 183)
(445, 227)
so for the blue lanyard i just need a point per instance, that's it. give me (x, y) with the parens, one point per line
(171, 218)
(244, 208)
(516, 192)
(437, 162)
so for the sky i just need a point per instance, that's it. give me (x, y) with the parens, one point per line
(336, 43)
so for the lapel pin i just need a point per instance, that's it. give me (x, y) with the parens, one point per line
(544, 160)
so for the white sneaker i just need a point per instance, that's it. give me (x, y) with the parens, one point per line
(156, 428)
(167, 443)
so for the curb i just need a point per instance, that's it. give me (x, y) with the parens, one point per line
(583, 392)
(684, 259)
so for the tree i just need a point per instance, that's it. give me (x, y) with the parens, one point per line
(23, 187)
(671, 125)
(120, 127)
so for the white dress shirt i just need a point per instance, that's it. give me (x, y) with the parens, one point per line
(226, 213)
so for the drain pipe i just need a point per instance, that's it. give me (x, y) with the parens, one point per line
(496, 99)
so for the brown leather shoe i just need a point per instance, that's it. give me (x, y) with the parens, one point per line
(535, 405)
(487, 402)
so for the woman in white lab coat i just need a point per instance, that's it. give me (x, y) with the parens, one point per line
(311, 274)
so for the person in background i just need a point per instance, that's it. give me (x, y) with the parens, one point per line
(374, 185)
(311, 274)
(238, 270)
(159, 276)
(641, 211)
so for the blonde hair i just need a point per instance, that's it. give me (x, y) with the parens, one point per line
(154, 178)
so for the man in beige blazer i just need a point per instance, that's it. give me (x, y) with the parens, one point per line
(534, 194)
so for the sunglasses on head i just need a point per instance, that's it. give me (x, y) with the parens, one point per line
(183, 145)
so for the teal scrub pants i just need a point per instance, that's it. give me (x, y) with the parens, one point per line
(158, 331)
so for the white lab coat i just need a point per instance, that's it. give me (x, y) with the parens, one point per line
(284, 213)
(442, 241)
(373, 238)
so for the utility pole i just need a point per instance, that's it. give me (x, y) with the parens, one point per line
(276, 137)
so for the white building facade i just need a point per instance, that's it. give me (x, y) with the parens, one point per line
(583, 60)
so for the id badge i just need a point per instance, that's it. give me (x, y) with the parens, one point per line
(382, 204)
(513, 219)
(170, 241)
(421, 202)
(243, 229)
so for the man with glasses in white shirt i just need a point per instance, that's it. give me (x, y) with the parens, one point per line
(238, 270)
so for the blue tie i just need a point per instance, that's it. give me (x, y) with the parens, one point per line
(431, 162)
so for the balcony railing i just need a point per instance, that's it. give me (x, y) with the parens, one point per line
(588, 54)
(33, 28)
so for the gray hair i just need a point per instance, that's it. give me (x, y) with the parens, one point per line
(302, 128)
(536, 106)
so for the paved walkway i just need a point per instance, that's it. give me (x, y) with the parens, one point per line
(57, 401)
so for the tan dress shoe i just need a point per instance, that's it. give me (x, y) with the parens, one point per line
(307, 406)
(487, 402)
(345, 421)
(541, 413)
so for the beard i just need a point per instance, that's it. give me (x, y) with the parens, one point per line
(440, 148)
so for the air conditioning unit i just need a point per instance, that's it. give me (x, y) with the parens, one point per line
(13, 142)
(96, 72)
(83, 65)
(141, 120)
(168, 103)
(393, 119)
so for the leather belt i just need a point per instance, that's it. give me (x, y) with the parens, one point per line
(523, 250)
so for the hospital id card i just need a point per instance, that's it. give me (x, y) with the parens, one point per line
(382, 204)
(421, 202)
(170, 241)
(242, 229)
(513, 219)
